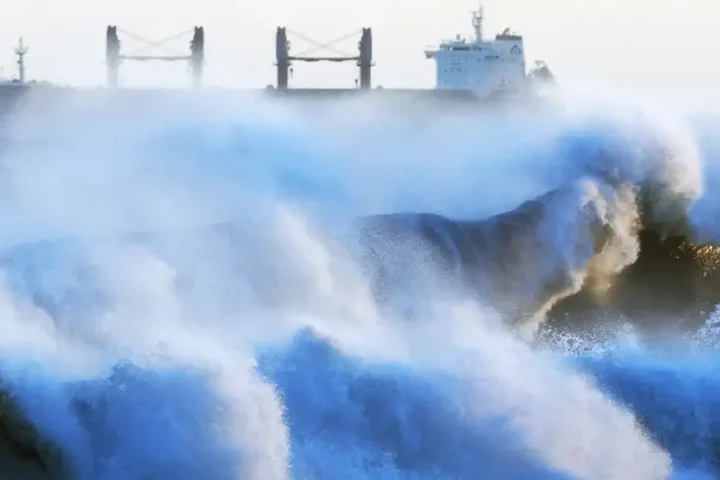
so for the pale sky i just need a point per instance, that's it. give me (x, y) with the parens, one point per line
(640, 44)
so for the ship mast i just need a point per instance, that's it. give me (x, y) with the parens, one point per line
(477, 23)
(20, 51)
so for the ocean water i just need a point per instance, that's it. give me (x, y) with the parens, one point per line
(180, 298)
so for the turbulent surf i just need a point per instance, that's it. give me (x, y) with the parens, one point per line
(251, 290)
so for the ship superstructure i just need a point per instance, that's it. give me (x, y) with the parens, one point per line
(485, 67)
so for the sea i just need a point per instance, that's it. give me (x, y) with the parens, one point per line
(216, 288)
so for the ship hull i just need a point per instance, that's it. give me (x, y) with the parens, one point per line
(28, 98)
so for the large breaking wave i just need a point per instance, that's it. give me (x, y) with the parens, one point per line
(233, 288)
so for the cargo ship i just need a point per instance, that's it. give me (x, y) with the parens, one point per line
(469, 70)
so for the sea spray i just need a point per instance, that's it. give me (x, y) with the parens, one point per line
(202, 323)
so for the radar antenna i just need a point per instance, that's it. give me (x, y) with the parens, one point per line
(21, 50)
(477, 22)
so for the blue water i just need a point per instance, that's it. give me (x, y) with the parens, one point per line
(267, 358)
